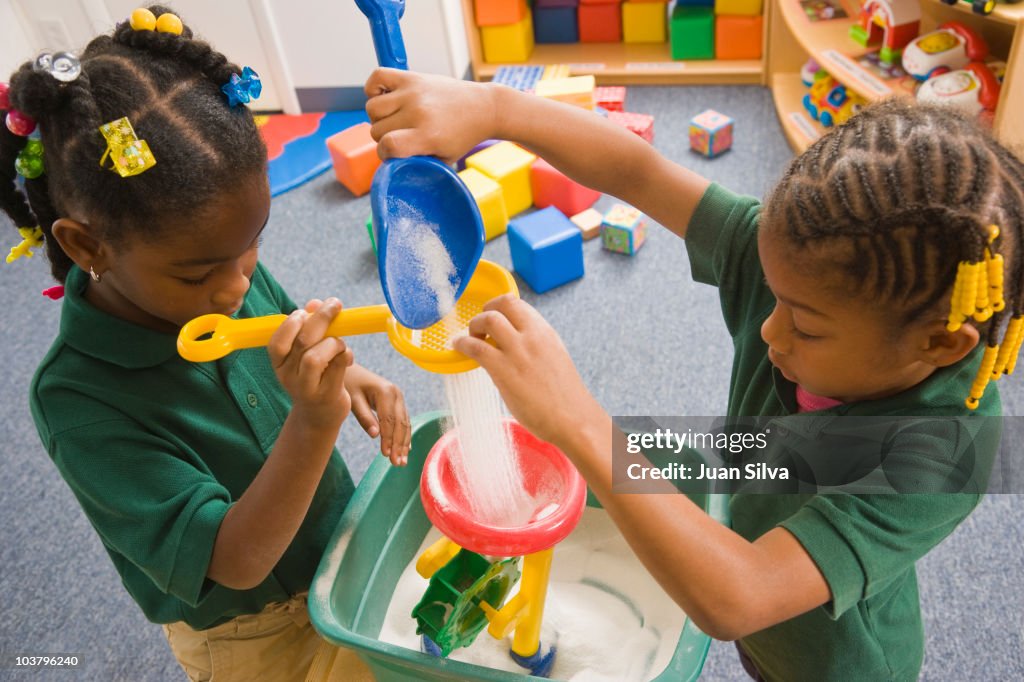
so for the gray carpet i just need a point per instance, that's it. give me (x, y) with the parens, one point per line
(646, 339)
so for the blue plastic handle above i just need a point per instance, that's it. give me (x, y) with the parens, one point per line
(387, 36)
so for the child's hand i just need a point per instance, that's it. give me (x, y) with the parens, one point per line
(415, 113)
(530, 366)
(311, 367)
(380, 409)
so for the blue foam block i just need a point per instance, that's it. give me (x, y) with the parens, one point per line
(555, 25)
(547, 249)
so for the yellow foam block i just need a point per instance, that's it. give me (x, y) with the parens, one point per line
(643, 22)
(490, 199)
(577, 90)
(508, 42)
(509, 166)
(738, 7)
(556, 71)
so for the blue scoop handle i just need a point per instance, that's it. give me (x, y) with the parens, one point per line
(387, 35)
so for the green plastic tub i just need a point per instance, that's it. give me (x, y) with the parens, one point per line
(378, 536)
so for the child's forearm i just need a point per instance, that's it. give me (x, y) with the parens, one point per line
(729, 586)
(599, 154)
(258, 528)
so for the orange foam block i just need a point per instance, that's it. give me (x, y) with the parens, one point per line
(738, 36)
(354, 156)
(498, 12)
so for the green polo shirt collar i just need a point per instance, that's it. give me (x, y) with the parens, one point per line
(108, 338)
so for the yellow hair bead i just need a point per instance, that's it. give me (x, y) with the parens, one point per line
(995, 282)
(981, 380)
(142, 20)
(1013, 330)
(993, 233)
(982, 308)
(169, 23)
(970, 292)
(1014, 352)
(955, 318)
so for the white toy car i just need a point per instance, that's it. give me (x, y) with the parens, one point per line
(949, 47)
(973, 89)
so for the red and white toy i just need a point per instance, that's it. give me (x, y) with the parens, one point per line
(952, 46)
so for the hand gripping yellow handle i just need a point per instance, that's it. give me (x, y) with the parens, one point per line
(211, 337)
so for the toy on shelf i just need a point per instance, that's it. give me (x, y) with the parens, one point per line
(600, 23)
(623, 229)
(811, 72)
(555, 21)
(893, 23)
(983, 7)
(710, 133)
(973, 90)
(832, 103)
(467, 592)
(949, 47)
(644, 22)
(692, 32)
(508, 43)
(547, 249)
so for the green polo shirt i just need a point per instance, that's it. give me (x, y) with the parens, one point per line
(864, 545)
(157, 449)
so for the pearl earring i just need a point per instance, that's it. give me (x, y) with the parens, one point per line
(92, 273)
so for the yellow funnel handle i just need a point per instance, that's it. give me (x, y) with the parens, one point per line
(227, 334)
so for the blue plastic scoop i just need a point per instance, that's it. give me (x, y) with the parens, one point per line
(429, 232)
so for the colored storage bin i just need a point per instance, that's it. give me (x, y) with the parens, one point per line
(738, 37)
(509, 165)
(643, 22)
(547, 249)
(553, 188)
(489, 199)
(379, 534)
(499, 12)
(508, 43)
(600, 23)
(739, 7)
(692, 32)
(354, 157)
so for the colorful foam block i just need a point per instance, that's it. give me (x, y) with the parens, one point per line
(589, 222)
(692, 32)
(479, 147)
(555, 25)
(696, 3)
(641, 124)
(498, 12)
(643, 22)
(509, 165)
(710, 133)
(519, 77)
(610, 97)
(575, 90)
(547, 249)
(489, 199)
(509, 42)
(600, 23)
(556, 71)
(552, 188)
(739, 7)
(354, 156)
(738, 37)
(623, 229)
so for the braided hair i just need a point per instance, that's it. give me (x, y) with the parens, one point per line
(902, 201)
(169, 87)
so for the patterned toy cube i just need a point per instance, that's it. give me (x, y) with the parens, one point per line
(600, 23)
(489, 199)
(552, 188)
(641, 124)
(589, 222)
(610, 97)
(354, 155)
(643, 22)
(555, 24)
(623, 229)
(547, 249)
(509, 165)
(576, 90)
(738, 37)
(710, 133)
(508, 43)
(498, 12)
(750, 8)
(692, 32)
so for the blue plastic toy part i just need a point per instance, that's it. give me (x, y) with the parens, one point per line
(547, 249)
(540, 664)
(429, 647)
(418, 191)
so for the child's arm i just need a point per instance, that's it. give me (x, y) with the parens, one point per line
(258, 528)
(420, 114)
(729, 586)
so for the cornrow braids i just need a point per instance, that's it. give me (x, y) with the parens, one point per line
(923, 203)
(169, 87)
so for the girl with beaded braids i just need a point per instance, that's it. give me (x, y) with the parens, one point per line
(865, 285)
(214, 487)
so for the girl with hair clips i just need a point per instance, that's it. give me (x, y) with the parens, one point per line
(864, 285)
(214, 487)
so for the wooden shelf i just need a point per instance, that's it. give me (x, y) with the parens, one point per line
(1003, 13)
(801, 130)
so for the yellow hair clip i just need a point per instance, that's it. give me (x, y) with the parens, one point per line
(129, 154)
(31, 237)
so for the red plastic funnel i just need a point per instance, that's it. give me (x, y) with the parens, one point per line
(559, 495)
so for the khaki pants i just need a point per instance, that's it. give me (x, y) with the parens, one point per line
(278, 644)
